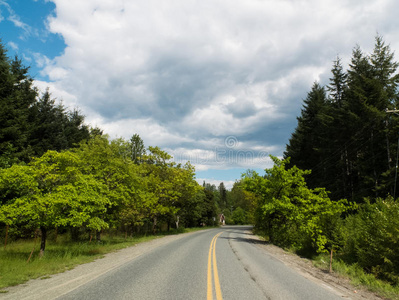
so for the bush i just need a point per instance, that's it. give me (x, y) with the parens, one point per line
(371, 238)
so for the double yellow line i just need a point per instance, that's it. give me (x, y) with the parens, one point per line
(212, 260)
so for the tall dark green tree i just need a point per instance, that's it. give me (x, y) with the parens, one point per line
(29, 125)
(17, 94)
(305, 145)
(335, 152)
(55, 128)
(371, 89)
(348, 140)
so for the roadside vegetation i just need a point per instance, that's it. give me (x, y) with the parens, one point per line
(334, 194)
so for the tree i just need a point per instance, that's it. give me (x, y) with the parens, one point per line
(160, 174)
(17, 94)
(371, 86)
(51, 192)
(306, 142)
(242, 199)
(110, 164)
(288, 211)
(338, 83)
(347, 140)
(30, 126)
(137, 149)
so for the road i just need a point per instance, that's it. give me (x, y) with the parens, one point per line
(223, 263)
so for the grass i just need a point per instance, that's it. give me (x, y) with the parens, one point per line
(358, 277)
(60, 256)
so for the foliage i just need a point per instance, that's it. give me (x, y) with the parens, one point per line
(290, 213)
(372, 236)
(51, 192)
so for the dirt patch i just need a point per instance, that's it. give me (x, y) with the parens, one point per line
(307, 269)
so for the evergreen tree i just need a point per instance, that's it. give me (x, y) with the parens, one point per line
(305, 145)
(338, 83)
(54, 128)
(371, 89)
(348, 141)
(137, 149)
(17, 94)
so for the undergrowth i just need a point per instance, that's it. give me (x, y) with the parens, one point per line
(357, 276)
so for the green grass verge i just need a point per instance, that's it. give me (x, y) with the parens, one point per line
(60, 256)
(358, 277)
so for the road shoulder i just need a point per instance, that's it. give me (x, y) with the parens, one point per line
(307, 269)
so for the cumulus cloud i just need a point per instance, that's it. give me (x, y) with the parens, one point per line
(187, 74)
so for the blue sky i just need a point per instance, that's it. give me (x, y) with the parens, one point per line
(218, 83)
(24, 31)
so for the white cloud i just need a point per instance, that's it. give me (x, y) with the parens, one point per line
(13, 46)
(187, 74)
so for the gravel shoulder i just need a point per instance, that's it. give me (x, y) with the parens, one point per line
(60, 284)
(306, 268)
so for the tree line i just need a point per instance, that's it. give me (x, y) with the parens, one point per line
(335, 188)
(31, 123)
(59, 175)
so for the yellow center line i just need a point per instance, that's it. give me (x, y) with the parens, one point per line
(212, 258)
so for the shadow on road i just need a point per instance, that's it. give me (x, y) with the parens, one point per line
(245, 235)
(245, 240)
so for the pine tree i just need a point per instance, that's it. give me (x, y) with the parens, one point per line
(53, 127)
(335, 151)
(305, 144)
(137, 149)
(17, 95)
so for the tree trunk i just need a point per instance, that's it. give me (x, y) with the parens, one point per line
(98, 236)
(43, 240)
(154, 224)
(387, 141)
(5, 241)
(177, 222)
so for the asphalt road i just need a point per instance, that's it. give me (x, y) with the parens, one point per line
(223, 263)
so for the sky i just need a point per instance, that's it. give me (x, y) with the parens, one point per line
(215, 82)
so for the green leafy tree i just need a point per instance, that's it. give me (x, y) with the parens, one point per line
(109, 162)
(288, 211)
(53, 192)
(371, 237)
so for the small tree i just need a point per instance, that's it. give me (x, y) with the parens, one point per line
(53, 192)
(288, 211)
